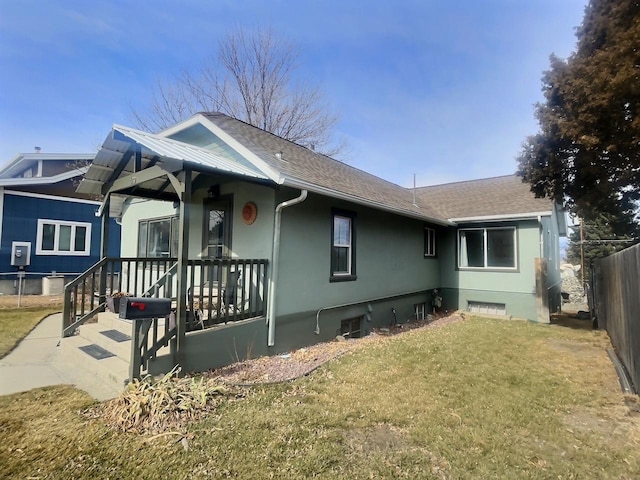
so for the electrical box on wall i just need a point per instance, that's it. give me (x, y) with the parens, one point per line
(20, 254)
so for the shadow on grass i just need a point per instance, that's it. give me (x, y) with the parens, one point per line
(571, 320)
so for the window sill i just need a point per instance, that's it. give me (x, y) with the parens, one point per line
(490, 269)
(343, 278)
(51, 253)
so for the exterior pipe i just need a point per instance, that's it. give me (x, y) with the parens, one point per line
(273, 278)
(541, 236)
(360, 302)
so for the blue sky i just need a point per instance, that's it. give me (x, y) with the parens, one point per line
(443, 89)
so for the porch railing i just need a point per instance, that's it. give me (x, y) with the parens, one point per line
(225, 290)
(110, 278)
(219, 290)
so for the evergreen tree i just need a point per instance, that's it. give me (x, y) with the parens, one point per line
(587, 153)
(596, 240)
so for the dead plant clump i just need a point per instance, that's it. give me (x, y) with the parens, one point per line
(152, 407)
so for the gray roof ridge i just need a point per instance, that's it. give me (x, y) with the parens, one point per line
(472, 180)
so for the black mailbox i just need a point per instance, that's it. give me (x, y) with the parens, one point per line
(132, 308)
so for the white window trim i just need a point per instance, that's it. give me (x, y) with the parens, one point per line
(58, 223)
(348, 245)
(430, 234)
(485, 252)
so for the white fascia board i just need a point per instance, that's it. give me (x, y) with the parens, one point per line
(502, 218)
(183, 125)
(12, 182)
(290, 182)
(58, 156)
(226, 138)
(241, 149)
(24, 157)
(51, 197)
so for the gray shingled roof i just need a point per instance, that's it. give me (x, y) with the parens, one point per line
(303, 165)
(497, 196)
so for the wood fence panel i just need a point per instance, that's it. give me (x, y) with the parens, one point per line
(618, 306)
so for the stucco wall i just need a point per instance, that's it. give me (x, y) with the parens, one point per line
(514, 288)
(389, 257)
(247, 241)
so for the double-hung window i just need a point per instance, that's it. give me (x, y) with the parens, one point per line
(494, 248)
(429, 242)
(60, 237)
(343, 257)
(158, 237)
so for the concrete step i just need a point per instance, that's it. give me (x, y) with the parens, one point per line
(92, 332)
(111, 321)
(112, 371)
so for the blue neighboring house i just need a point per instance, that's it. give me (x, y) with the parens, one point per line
(45, 225)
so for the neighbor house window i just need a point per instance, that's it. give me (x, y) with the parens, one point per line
(59, 237)
(487, 248)
(343, 258)
(158, 237)
(429, 242)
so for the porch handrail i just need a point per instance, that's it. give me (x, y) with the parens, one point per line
(70, 319)
(105, 278)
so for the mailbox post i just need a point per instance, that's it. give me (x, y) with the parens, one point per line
(142, 311)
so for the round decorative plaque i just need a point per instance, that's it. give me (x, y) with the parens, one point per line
(249, 213)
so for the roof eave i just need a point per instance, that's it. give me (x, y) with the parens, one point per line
(502, 218)
(15, 182)
(301, 184)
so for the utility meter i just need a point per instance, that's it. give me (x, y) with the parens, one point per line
(20, 254)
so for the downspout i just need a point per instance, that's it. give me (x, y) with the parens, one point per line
(273, 278)
(541, 227)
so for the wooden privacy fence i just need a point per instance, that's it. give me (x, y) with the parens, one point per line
(616, 294)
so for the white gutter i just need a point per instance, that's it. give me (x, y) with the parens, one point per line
(273, 278)
(541, 227)
(508, 216)
(290, 182)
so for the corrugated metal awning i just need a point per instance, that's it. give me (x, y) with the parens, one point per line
(117, 159)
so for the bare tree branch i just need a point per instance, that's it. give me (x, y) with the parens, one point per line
(249, 78)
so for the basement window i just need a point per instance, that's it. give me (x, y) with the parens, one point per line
(351, 327)
(420, 309)
(488, 308)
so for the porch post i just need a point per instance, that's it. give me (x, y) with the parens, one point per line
(104, 248)
(183, 257)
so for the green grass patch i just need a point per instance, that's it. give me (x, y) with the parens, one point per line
(478, 399)
(16, 323)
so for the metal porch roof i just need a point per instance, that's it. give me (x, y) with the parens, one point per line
(169, 154)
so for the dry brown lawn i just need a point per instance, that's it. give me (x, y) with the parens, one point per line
(11, 301)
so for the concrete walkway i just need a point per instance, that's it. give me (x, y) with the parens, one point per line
(40, 361)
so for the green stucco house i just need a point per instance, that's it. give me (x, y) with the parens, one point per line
(264, 246)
